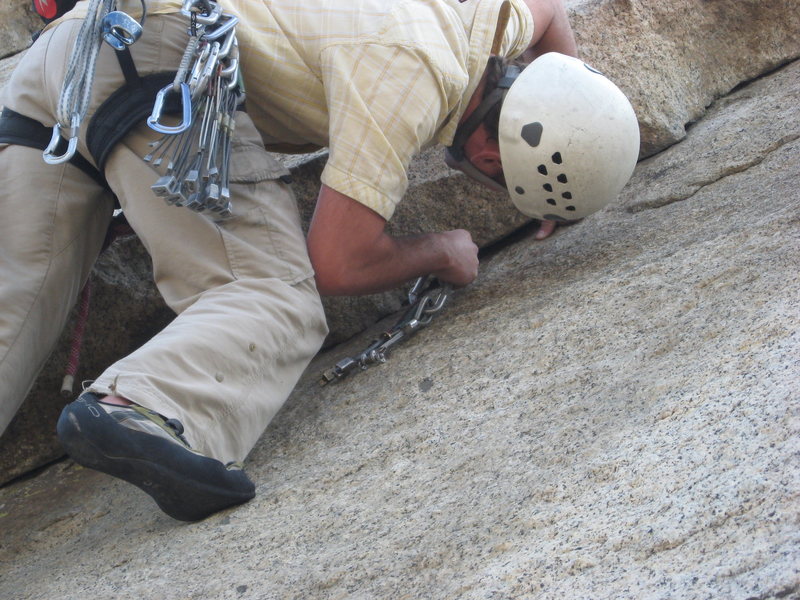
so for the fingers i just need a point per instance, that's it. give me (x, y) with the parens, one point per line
(545, 229)
(462, 254)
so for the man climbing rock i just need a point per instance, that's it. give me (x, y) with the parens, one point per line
(374, 82)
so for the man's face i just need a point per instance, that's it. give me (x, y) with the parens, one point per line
(481, 161)
(483, 151)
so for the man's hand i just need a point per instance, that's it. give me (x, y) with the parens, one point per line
(352, 254)
(462, 257)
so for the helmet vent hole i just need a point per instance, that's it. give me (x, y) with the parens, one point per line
(551, 201)
(567, 195)
(562, 178)
(557, 158)
(548, 187)
(519, 189)
(570, 208)
(542, 169)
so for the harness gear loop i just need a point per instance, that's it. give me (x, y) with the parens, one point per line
(101, 23)
(426, 298)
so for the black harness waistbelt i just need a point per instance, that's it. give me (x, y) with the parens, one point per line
(24, 131)
(112, 121)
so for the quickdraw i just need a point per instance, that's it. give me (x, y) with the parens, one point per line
(210, 89)
(208, 86)
(426, 299)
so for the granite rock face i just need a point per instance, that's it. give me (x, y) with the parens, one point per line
(672, 59)
(18, 22)
(611, 413)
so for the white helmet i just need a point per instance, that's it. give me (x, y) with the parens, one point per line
(569, 139)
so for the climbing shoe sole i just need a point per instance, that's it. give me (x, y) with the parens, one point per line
(185, 484)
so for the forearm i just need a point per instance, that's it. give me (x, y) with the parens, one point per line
(386, 264)
(352, 254)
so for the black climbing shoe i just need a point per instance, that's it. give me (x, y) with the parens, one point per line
(143, 448)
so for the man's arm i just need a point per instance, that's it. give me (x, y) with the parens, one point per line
(551, 29)
(352, 254)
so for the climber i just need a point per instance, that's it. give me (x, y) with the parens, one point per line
(374, 82)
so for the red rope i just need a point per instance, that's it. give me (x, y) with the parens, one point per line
(117, 228)
(77, 340)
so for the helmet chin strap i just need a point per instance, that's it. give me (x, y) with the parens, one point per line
(456, 150)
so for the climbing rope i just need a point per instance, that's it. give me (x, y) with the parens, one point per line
(74, 359)
(76, 91)
(119, 228)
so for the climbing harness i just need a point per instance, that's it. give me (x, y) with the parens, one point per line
(426, 299)
(208, 95)
(209, 89)
(23, 131)
(206, 92)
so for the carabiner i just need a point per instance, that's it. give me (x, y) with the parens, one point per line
(221, 29)
(154, 120)
(72, 144)
(202, 74)
(198, 8)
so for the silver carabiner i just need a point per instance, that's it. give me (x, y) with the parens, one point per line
(199, 81)
(227, 44)
(221, 28)
(72, 144)
(154, 120)
(190, 7)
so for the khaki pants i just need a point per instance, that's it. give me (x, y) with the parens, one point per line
(249, 316)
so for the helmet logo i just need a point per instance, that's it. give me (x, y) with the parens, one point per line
(532, 133)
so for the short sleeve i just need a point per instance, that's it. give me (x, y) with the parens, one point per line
(385, 103)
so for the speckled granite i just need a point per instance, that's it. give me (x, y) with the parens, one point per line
(671, 58)
(18, 21)
(608, 414)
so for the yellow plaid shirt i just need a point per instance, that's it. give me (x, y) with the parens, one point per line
(373, 80)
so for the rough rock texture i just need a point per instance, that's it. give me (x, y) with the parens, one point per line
(17, 22)
(611, 413)
(673, 59)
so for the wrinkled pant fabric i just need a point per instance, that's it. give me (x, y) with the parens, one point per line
(249, 316)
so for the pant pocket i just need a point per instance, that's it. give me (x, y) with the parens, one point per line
(264, 237)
